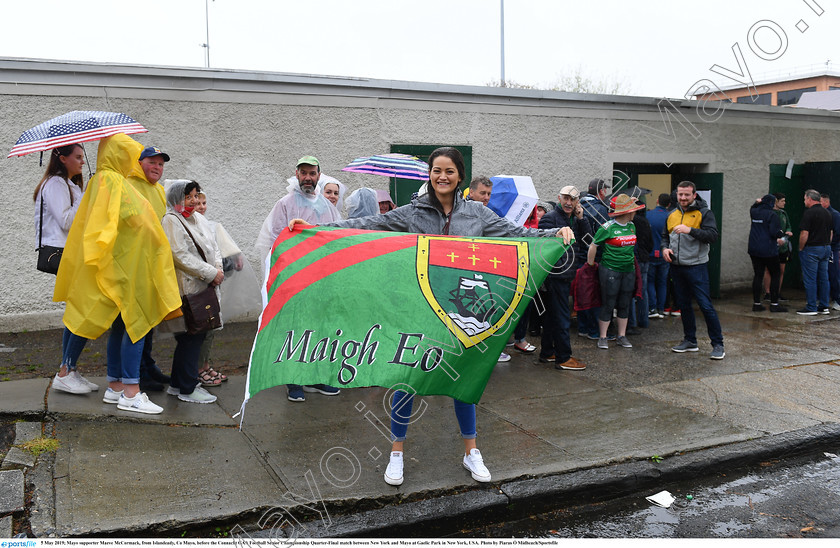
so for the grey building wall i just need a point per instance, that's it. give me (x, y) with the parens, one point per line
(240, 133)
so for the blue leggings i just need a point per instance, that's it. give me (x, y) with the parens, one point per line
(402, 402)
(123, 356)
(71, 348)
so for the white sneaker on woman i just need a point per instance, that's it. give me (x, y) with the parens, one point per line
(93, 387)
(199, 395)
(394, 472)
(69, 383)
(475, 464)
(140, 403)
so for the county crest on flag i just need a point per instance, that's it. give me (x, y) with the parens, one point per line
(430, 314)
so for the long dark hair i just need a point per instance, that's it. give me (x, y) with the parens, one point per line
(56, 168)
(455, 155)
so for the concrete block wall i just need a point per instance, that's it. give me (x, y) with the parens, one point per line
(240, 133)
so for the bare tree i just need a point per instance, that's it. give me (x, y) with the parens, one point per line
(578, 82)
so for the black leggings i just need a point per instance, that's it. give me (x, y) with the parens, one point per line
(772, 266)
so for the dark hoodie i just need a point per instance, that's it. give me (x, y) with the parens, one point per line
(765, 228)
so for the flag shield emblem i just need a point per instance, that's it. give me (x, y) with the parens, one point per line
(472, 285)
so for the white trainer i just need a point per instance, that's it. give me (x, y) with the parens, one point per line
(112, 396)
(93, 387)
(69, 383)
(140, 403)
(172, 391)
(394, 472)
(475, 464)
(199, 395)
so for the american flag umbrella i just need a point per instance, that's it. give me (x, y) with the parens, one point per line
(402, 166)
(79, 126)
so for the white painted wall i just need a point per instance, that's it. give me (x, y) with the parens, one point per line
(240, 133)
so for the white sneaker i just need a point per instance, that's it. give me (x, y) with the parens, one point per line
(394, 472)
(172, 391)
(199, 395)
(93, 387)
(69, 383)
(140, 403)
(836, 306)
(112, 396)
(504, 357)
(475, 464)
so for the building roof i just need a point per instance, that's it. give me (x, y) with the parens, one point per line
(825, 100)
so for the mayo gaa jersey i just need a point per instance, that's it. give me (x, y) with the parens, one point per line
(620, 245)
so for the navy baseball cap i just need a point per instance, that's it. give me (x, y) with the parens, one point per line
(154, 151)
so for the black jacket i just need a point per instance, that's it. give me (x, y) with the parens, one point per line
(575, 257)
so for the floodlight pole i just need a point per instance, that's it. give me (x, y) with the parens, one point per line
(206, 45)
(503, 41)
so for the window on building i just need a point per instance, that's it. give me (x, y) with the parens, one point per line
(833, 87)
(791, 97)
(762, 99)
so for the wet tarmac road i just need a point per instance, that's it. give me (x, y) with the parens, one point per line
(786, 498)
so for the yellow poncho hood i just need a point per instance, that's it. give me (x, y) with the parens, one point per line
(117, 259)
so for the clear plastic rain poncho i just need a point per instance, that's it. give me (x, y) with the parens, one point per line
(240, 289)
(314, 209)
(362, 203)
(325, 180)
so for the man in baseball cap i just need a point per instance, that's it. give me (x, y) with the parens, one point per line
(556, 344)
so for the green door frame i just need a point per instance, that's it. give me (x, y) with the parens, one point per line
(402, 189)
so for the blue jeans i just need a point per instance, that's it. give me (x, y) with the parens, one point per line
(123, 356)
(814, 261)
(402, 402)
(522, 327)
(71, 348)
(834, 274)
(639, 307)
(555, 337)
(693, 282)
(588, 321)
(657, 280)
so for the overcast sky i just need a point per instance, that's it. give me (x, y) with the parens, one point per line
(652, 47)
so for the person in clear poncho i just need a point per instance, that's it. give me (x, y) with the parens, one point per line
(303, 201)
(186, 230)
(334, 191)
(240, 291)
(362, 203)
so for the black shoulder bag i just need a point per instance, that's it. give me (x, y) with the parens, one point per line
(49, 257)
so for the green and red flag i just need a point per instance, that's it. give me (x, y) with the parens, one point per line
(427, 314)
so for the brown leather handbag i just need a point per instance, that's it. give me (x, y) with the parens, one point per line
(201, 310)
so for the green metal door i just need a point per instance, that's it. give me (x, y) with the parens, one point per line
(713, 182)
(402, 189)
(793, 190)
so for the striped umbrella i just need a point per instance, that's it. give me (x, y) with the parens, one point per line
(402, 166)
(79, 126)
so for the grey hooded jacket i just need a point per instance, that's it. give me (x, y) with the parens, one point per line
(467, 218)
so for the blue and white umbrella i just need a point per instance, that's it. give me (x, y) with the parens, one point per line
(79, 126)
(514, 197)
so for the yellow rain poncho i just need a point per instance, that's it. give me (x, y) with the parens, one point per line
(117, 259)
(153, 192)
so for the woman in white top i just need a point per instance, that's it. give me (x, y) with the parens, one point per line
(57, 198)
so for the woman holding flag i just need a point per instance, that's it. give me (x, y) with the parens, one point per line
(441, 210)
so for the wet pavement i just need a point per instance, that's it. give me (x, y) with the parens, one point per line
(546, 435)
